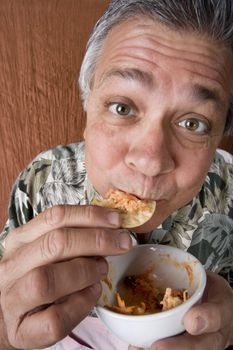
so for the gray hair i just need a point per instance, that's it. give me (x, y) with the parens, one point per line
(211, 17)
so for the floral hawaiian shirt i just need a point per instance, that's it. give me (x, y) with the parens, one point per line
(204, 226)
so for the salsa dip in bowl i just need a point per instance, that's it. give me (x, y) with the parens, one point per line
(148, 291)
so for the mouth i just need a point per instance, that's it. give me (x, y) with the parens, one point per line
(145, 189)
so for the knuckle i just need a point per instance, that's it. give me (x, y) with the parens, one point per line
(90, 212)
(101, 240)
(53, 244)
(87, 272)
(55, 216)
(82, 269)
(40, 282)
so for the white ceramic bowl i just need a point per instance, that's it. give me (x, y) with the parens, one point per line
(172, 268)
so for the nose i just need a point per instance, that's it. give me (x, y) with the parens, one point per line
(151, 153)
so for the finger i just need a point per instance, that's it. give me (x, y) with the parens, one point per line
(50, 283)
(62, 216)
(46, 327)
(61, 245)
(214, 341)
(216, 312)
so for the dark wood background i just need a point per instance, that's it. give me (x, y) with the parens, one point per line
(41, 46)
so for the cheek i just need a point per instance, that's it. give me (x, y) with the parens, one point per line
(192, 173)
(104, 147)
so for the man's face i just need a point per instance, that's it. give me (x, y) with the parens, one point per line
(156, 113)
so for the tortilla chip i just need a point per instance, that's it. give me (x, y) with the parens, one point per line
(134, 211)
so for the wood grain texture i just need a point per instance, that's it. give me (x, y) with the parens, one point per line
(42, 45)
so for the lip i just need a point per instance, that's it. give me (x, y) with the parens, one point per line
(141, 197)
(160, 201)
(157, 200)
(143, 187)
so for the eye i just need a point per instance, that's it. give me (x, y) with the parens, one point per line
(121, 109)
(195, 125)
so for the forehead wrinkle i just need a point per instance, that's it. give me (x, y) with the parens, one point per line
(130, 74)
(162, 46)
(152, 55)
(142, 58)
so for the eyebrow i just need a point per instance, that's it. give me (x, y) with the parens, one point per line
(198, 92)
(134, 74)
(204, 93)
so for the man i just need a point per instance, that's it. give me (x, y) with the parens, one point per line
(156, 83)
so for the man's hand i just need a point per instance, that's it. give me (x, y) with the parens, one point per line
(209, 325)
(51, 271)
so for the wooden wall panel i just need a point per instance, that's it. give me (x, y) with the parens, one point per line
(41, 47)
(227, 143)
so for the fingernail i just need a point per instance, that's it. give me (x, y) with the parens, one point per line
(114, 218)
(102, 266)
(199, 325)
(125, 241)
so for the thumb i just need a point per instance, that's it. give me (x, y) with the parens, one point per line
(215, 312)
(205, 318)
